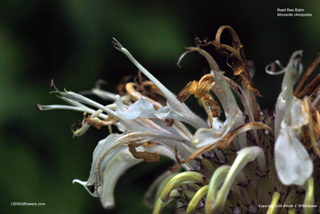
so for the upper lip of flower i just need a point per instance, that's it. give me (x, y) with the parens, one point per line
(292, 161)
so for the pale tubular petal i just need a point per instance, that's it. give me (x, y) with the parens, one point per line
(160, 204)
(293, 73)
(230, 106)
(105, 95)
(212, 63)
(244, 156)
(173, 103)
(181, 178)
(247, 103)
(61, 107)
(197, 198)
(292, 161)
(284, 102)
(233, 114)
(216, 180)
(120, 162)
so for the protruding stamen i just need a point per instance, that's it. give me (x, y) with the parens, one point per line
(271, 68)
(182, 56)
(182, 178)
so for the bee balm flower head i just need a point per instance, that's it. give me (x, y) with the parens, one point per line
(231, 165)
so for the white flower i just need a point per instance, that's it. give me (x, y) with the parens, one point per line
(292, 161)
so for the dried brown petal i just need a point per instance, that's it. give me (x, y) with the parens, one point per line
(187, 91)
(214, 107)
(308, 89)
(97, 123)
(306, 76)
(147, 156)
(314, 143)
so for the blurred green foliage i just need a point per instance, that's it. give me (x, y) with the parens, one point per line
(70, 41)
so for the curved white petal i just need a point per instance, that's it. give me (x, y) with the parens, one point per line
(111, 158)
(234, 118)
(141, 108)
(293, 163)
(116, 167)
(173, 103)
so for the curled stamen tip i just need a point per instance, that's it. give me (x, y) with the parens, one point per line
(39, 107)
(188, 50)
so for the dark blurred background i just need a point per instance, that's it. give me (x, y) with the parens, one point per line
(70, 41)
